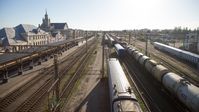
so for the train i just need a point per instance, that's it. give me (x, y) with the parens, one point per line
(122, 97)
(119, 50)
(112, 40)
(185, 55)
(106, 40)
(186, 92)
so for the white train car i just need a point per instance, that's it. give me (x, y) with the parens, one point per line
(106, 40)
(184, 90)
(122, 97)
(185, 55)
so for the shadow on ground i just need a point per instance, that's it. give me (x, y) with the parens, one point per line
(98, 99)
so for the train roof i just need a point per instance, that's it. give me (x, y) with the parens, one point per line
(118, 46)
(185, 52)
(118, 77)
(111, 38)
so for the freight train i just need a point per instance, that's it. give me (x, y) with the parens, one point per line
(186, 92)
(122, 97)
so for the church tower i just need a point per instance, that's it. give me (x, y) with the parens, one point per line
(46, 23)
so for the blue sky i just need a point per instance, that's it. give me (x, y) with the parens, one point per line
(103, 14)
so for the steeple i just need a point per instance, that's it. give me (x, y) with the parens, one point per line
(46, 22)
(46, 15)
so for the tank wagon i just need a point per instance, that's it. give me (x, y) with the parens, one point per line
(122, 97)
(130, 50)
(143, 59)
(185, 55)
(119, 50)
(186, 92)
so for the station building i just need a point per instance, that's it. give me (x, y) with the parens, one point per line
(23, 34)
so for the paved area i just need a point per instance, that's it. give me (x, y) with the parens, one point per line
(92, 93)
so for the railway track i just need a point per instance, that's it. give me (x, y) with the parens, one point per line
(155, 95)
(135, 82)
(74, 78)
(142, 90)
(35, 97)
(11, 97)
(173, 68)
(136, 88)
(31, 103)
(182, 70)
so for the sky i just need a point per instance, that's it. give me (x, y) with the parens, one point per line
(103, 14)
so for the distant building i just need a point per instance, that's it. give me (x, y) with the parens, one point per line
(23, 34)
(53, 28)
(191, 42)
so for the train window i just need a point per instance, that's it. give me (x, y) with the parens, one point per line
(126, 106)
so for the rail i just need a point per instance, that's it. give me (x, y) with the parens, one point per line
(141, 89)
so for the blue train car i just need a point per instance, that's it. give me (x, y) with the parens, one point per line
(119, 50)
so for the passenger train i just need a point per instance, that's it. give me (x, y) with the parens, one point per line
(185, 55)
(119, 50)
(122, 97)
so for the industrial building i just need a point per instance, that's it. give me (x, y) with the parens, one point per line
(191, 42)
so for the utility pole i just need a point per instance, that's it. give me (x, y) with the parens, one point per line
(103, 36)
(146, 45)
(129, 38)
(57, 84)
(134, 37)
(86, 42)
